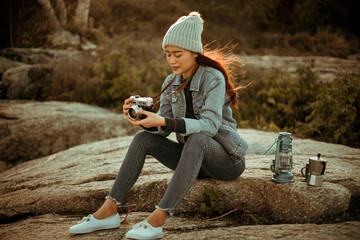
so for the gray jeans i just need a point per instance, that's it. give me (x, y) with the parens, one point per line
(200, 157)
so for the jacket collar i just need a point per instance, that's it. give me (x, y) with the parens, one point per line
(195, 81)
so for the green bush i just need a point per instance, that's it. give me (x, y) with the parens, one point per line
(279, 99)
(308, 108)
(73, 80)
(122, 68)
(210, 202)
(130, 68)
(335, 114)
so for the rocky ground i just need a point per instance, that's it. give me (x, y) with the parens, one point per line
(41, 198)
(54, 226)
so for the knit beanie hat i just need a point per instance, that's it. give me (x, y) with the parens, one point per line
(186, 33)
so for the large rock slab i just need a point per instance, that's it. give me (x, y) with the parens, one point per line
(76, 181)
(6, 63)
(25, 82)
(326, 68)
(291, 203)
(343, 163)
(26, 73)
(53, 226)
(29, 130)
(39, 55)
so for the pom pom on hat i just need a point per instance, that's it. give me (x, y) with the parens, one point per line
(196, 14)
(186, 33)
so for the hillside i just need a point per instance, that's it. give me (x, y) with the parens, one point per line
(259, 27)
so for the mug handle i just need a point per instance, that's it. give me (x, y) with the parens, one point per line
(307, 171)
(324, 166)
(302, 171)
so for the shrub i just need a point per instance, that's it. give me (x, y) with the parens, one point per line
(122, 68)
(335, 114)
(331, 43)
(130, 68)
(308, 108)
(280, 100)
(210, 202)
(73, 80)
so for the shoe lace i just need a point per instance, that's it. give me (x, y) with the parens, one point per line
(87, 218)
(143, 224)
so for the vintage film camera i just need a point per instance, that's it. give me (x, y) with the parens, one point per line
(140, 103)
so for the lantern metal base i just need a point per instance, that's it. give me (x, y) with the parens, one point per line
(283, 178)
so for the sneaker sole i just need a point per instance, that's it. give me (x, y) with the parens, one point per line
(143, 238)
(88, 230)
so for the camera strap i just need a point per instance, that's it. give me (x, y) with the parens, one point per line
(181, 87)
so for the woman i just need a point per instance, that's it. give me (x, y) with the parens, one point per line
(208, 143)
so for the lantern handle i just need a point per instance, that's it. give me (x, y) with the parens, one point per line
(277, 156)
(271, 146)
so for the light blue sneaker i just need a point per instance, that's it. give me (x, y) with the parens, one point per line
(144, 231)
(90, 224)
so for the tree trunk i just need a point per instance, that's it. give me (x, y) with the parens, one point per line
(53, 22)
(60, 5)
(82, 14)
(11, 25)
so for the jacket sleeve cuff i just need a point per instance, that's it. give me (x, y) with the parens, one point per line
(191, 126)
(174, 125)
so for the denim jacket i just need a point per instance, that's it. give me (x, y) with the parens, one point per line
(211, 106)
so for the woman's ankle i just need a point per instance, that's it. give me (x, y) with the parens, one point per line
(157, 218)
(103, 214)
(108, 209)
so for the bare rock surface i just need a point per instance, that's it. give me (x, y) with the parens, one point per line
(53, 226)
(26, 73)
(77, 180)
(25, 82)
(37, 55)
(31, 130)
(326, 68)
(6, 63)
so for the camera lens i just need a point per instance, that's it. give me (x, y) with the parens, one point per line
(133, 113)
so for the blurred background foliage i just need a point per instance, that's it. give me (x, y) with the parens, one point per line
(129, 59)
(304, 105)
(284, 27)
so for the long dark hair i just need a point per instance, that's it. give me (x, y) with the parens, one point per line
(221, 59)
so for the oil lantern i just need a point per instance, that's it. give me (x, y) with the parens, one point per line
(283, 163)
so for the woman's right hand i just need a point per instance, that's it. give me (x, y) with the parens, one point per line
(126, 106)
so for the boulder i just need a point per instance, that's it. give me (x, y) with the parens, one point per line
(38, 55)
(28, 73)
(77, 180)
(31, 130)
(6, 63)
(290, 203)
(25, 82)
(63, 38)
(326, 68)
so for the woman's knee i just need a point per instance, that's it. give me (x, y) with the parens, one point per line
(200, 141)
(142, 135)
(197, 138)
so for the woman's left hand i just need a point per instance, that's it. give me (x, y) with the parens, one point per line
(152, 120)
